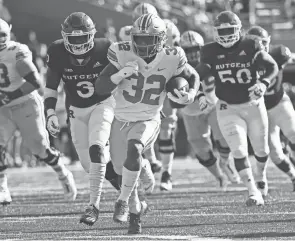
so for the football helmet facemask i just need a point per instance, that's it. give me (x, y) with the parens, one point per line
(227, 29)
(191, 42)
(78, 32)
(143, 8)
(148, 35)
(5, 32)
(262, 34)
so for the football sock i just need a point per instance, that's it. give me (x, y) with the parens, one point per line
(287, 168)
(167, 161)
(96, 179)
(261, 165)
(60, 170)
(215, 170)
(129, 180)
(134, 202)
(248, 179)
(3, 180)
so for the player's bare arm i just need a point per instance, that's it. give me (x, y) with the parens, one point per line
(104, 84)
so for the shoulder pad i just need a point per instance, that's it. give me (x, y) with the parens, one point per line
(117, 49)
(101, 44)
(22, 52)
(177, 52)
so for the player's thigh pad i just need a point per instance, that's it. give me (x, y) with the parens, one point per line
(257, 123)
(118, 144)
(168, 124)
(145, 132)
(100, 122)
(7, 126)
(284, 116)
(30, 120)
(198, 133)
(79, 132)
(233, 129)
(274, 142)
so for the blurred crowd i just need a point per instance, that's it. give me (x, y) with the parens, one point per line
(195, 15)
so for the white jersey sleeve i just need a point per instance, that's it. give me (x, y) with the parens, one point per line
(125, 33)
(182, 60)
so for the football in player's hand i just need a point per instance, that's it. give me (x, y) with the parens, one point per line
(180, 84)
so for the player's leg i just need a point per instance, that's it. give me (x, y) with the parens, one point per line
(257, 123)
(198, 135)
(234, 131)
(285, 119)
(7, 129)
(150, 154)
(167, 144)
(99, 127)
(140, 135)
(222, 147)
(30, 120)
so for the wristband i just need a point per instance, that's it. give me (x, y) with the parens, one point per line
(264, 81)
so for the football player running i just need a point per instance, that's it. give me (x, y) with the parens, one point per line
(281, 114)
(77, 59)
(199, 123)
(140, 70)
(234, 62)
(21, 107)
(125, 35)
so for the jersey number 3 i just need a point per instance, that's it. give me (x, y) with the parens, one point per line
(145, 96)
(4, 79)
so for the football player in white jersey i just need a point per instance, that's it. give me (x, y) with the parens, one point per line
(21, 107)
(125, 35)
(281, 114)
(200, 123)
(139, 71)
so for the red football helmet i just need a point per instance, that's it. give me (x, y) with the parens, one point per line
(262, 34)
(227, 29)
(78, 32)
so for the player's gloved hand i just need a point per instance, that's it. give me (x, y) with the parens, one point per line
(183, 97)
(256, 91)
(4, 98)
(203, 103)
(52, 124)
(129, 69)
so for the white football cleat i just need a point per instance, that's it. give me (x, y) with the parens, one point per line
(147, 178)
(69, 186)
(5, 197)
(255, 200)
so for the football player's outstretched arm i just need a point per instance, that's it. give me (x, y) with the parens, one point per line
(27, 70)
(265, 61)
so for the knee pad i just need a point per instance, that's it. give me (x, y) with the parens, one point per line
(110, 172)
(241, 152)
(209, 162)
(3, 159)
(96, 153)
(52, 157)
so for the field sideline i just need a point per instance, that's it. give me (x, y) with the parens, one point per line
(194, 210)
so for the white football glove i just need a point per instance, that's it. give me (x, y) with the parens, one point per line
(183, 97)
(203, 103)
(129, 69)
(52, 124)
(256, 91)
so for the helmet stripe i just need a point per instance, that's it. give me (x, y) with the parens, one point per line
(142, 8)
(149, 17)
(144, 22)
(189, 37)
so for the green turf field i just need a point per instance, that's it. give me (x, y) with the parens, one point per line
(194, 210)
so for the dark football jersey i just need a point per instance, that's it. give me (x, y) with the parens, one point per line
(79, 74)
(275, 91)
(234, 69)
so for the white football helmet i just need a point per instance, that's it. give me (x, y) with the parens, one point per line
(125, 33)
(172, 32)
(5, 33)
(142, 9)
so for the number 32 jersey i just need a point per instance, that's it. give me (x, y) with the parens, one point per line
(140, 97)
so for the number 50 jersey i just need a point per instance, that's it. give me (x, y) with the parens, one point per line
(140, 97)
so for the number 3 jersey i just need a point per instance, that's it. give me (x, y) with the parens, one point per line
(234, 69)
(140, 97)
(79, 72)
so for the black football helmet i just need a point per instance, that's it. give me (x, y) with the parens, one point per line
(262, 34)
(227, 29)
(78, 32)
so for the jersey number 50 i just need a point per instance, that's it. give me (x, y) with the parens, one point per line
(145, 96)
(243, 76)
